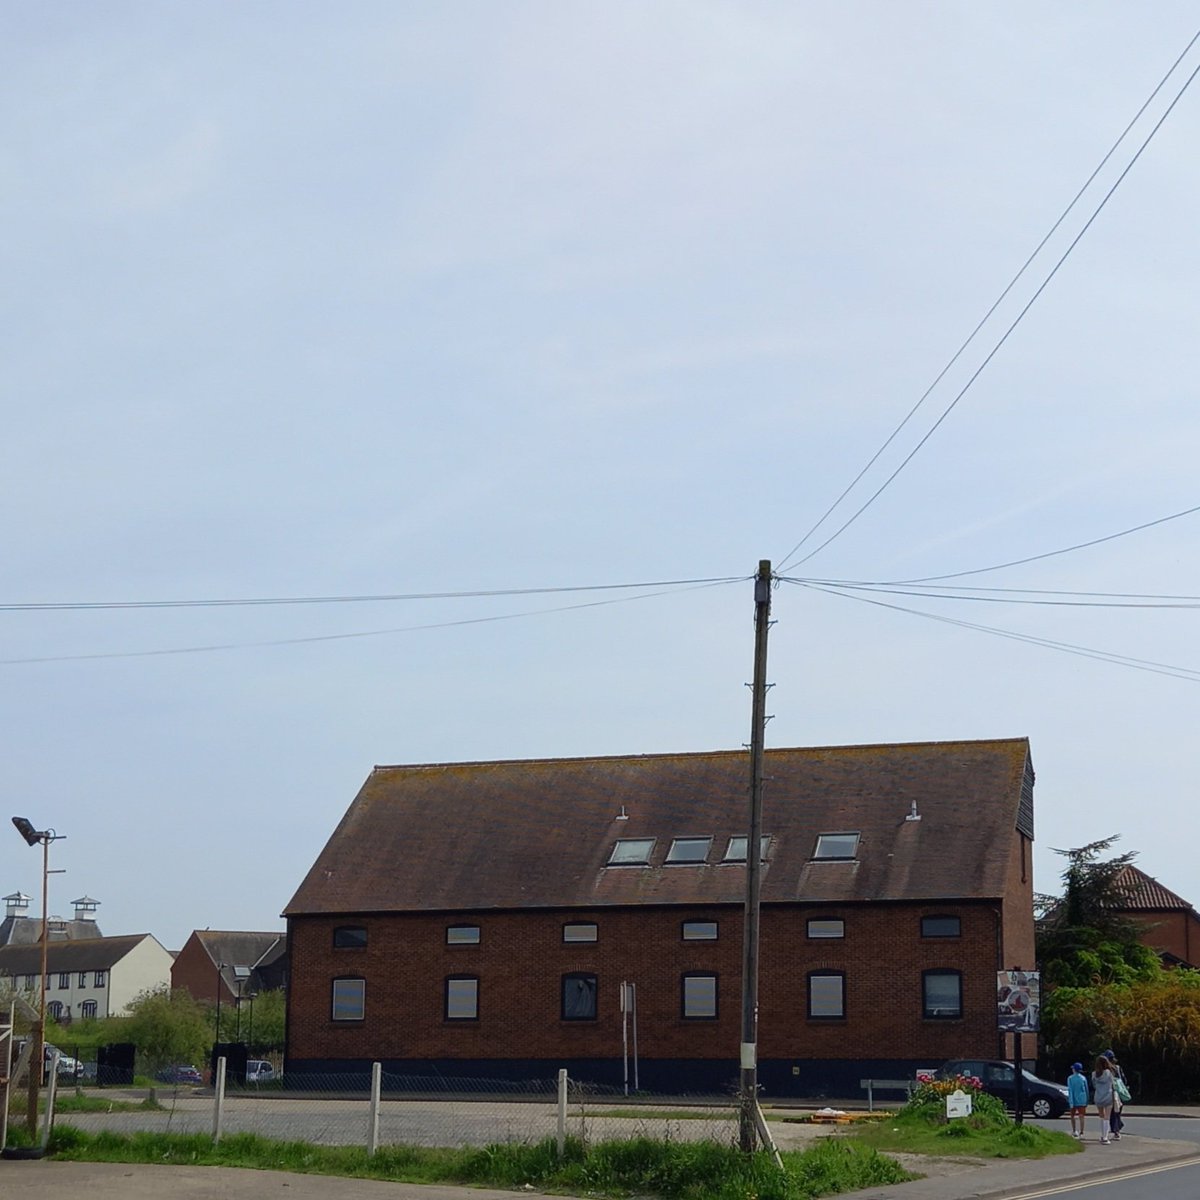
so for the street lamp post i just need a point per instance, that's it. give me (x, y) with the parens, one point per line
(37, 1062)
(220, 983)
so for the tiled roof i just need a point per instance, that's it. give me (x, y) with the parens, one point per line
(77, 954)
(538, 833)
(1143, 892)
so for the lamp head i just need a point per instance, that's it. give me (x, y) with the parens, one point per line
(26, 830)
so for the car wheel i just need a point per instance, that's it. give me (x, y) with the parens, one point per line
(1042, 1107)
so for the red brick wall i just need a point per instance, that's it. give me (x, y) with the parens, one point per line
(521, 959)
(194, 971)
(1176, 933)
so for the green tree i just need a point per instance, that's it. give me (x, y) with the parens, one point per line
(269, 1016)
(167, 1027)
(1084, 938)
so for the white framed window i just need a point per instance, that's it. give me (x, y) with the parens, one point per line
(826, 927)
(699, 931)
(735, 851)
(689, 850)
(581, 931)
(101, 978)
(462, 935)
(462, 998)
(631, 852)
(64, 980)
(836, 846)
(826, 995)
(83, 979)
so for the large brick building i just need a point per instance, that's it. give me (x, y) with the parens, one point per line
(480, 918)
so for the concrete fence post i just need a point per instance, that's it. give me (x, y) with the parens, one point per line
(562, 1111)
(373, 1121)
(219, 1100)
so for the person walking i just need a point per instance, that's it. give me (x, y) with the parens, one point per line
(1115, 1121)
(1077, 1098)
(1102, 1093)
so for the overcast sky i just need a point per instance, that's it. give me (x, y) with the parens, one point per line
(308, 300)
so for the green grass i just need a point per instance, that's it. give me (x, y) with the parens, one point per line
(984, 1134)
(637, 1166)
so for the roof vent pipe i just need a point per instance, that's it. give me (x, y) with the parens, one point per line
(913, 815)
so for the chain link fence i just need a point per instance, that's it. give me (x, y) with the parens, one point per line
(433, 1111)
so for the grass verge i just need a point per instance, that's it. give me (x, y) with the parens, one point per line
(982, 1135)
(637, 1166)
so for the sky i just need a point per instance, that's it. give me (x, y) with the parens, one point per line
(387, 299)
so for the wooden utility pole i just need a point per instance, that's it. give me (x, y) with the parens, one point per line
(747, 1124)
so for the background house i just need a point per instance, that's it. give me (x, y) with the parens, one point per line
(230, 964)
(19, 928)
(88, 977)
(480, 918)
(1169, 924)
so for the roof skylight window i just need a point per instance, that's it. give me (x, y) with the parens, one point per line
(631, 852)
(836, 846)
(689, 850)
(736, 850)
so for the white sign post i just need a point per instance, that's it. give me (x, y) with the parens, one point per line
(958, 1104)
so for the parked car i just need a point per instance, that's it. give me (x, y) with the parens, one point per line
(179, 1073)
(68, 1067)
(258, 1070)
(1038, 1096)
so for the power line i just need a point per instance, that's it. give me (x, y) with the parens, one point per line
(1018, 562)
(879, 589)
(1121, 660)
(339, 637)
(1004, 338)
(102, 605)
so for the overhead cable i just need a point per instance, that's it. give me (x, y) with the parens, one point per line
(368, 633)
(1004, 338)
(100, 605)
(1121, 660)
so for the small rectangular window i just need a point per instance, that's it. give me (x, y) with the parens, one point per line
(578, 997)
(462, 935)
(826, 927)
(826, 995)
(349, 999)
(581, 931)
(836, 845)
(64, 980)
(631, 852)
(689, 850)
(941, 927)
(700, 997)
(462, 999)
(736, 850)
(699, 931)
(83, 979)
(942, 999)
(30, 981)
(101, 978)
(350, 937)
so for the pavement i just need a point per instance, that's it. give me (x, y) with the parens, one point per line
(944, 1179)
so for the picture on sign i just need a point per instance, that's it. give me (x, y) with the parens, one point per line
(958, 1104)
(1019, 1001)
